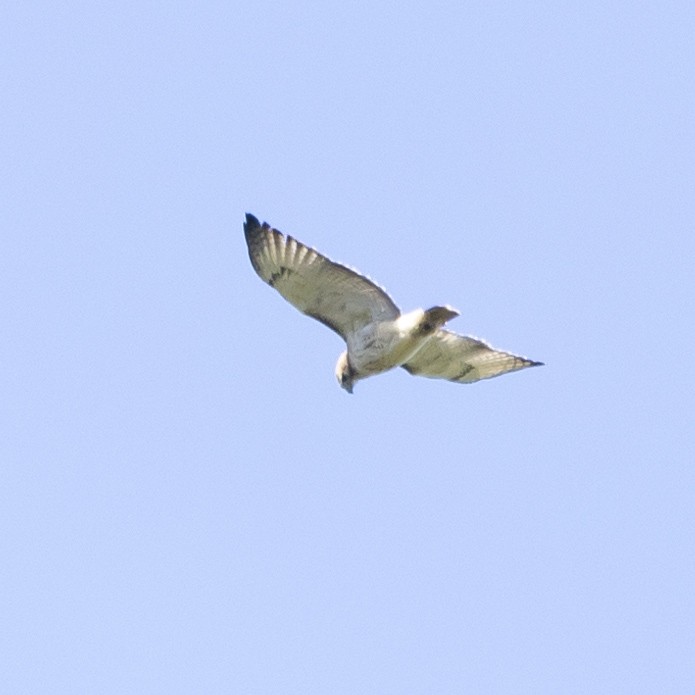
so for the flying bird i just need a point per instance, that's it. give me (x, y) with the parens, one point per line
(378, 336)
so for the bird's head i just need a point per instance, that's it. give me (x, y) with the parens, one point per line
(344, 373)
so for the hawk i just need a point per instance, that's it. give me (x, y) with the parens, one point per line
(378, 336)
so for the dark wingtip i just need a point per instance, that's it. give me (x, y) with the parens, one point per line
(251, 222)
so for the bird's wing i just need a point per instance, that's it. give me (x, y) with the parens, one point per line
(337, 296)
(463, 359)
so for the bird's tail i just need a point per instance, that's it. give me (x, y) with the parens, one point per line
(439, 315)
(435, 318)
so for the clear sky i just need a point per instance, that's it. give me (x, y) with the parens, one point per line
(188, 501)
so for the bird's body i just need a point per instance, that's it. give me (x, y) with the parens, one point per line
(379, 346)
(378, 336)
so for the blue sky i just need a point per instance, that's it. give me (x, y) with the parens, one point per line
(190, 503)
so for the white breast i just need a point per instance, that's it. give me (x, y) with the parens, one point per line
(381, 346)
